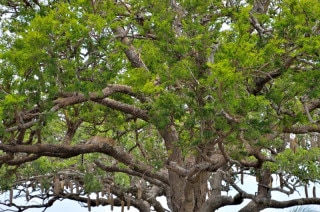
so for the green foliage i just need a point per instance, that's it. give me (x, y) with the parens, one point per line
(166, 108)
(41, 166)
(304, 164)
(122, 179)
(92, 183)
(8, 179)
(216, 70)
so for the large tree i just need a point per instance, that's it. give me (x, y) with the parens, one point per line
(131, 100)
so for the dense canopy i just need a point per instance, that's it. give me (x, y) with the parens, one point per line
(119, 102)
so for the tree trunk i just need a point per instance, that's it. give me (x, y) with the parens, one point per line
(265, 183)
(185, 195)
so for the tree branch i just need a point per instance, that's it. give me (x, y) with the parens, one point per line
(131, 52)
(216, 202)
(68, 151)
(302, 129)
(125, 108)
(284, 204)
(76, 98)
(137, 203)
(254, 151)
(25, 207)
(261, 81)
(313, 105)
(22, 126)
(151, 178)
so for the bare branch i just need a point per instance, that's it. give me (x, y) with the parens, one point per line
(302, 129)
(313, 105)
(261, 81)
(255, 23)
(68, 151)
(306, 110)
(128, 109)
(76, 98)
(22, 126)
(284, 204)
(151, 178)
(215, 202)
(176, 168)
(22, 160)
(131, 52)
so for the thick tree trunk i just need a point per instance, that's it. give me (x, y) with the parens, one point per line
(185, 195)
(176, 182)
(200, 187)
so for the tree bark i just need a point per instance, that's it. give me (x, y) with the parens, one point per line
(264, 192)
(185, 194)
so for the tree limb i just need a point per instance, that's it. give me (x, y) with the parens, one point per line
(76, 98)
(302, 129)
(216, 202)
(68, 151)
(152, 179)
(131, 52)
(125, 108)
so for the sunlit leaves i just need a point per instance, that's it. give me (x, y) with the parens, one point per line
(303, 164)
(242, 24)
(138, 77)
(56, 49)
(13, 99)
